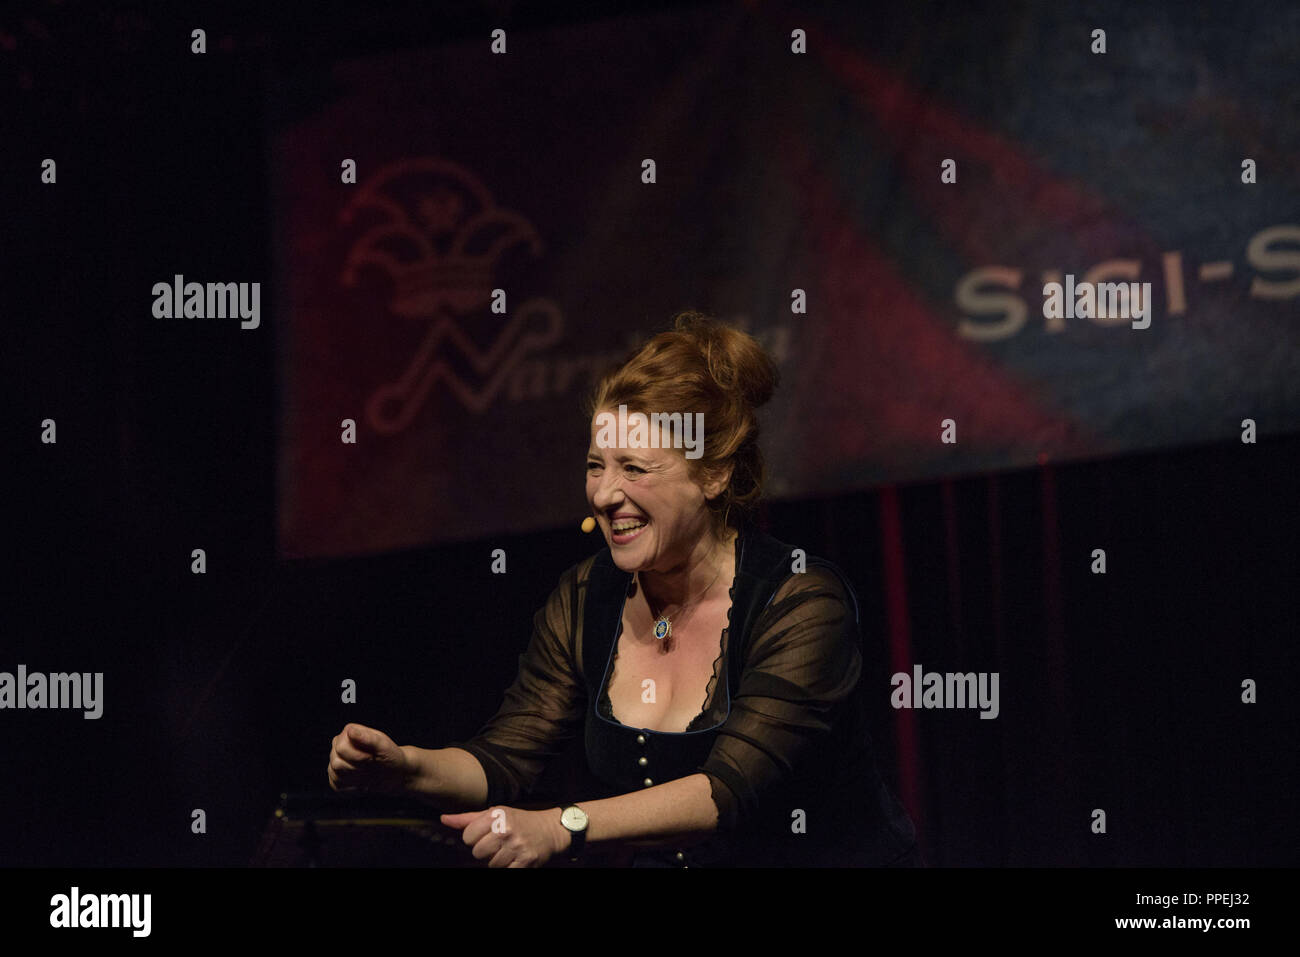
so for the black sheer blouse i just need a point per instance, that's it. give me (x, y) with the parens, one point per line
(781, 736)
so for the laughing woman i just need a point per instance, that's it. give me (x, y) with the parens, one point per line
(717, 688)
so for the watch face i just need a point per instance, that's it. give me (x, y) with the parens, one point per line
(574, 818)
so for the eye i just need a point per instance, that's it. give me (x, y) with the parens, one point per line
(592, 465)
(636, 468)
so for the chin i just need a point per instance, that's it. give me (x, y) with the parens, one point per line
(624, 561)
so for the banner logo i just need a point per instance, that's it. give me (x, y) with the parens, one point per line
(440, 235)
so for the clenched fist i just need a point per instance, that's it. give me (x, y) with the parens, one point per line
(365, 759)
(509, 837)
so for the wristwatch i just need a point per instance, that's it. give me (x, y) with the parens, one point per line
(574, 820)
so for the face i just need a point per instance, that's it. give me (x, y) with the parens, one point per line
(653, 514)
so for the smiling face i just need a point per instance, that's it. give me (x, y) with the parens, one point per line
(653, 514)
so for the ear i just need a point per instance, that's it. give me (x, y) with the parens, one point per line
(715, 483)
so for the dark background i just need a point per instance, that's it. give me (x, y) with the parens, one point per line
(222, 690)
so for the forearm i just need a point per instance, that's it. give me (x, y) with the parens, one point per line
(676, 812)
(449, 776)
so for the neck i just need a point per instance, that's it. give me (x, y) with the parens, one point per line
(687, 582)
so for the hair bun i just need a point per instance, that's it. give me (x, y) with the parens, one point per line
(736, 361)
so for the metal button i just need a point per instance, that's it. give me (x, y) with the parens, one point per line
(642, 761)
(640, 739)
(647, 782)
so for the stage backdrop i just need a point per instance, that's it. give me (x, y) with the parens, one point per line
(779, 179)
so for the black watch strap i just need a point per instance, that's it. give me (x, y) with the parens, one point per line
(578, 836)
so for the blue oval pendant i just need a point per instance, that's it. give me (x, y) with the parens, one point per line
(663, 628)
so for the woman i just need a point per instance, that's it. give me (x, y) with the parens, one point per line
(716, 679)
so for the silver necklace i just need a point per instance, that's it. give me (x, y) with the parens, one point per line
(663, 630)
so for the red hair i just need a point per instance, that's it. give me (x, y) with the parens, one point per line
(702, 365)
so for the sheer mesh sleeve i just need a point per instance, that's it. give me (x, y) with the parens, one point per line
(543, 706)
(801, 664)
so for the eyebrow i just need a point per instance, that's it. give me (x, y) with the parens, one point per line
(619, 455)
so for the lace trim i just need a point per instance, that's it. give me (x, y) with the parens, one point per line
(606, 707)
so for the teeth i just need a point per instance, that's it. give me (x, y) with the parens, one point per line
(624, 525)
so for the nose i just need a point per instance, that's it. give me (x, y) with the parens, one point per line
(609, 490)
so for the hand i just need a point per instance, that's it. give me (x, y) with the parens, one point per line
(511, 837)
(362, 758)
